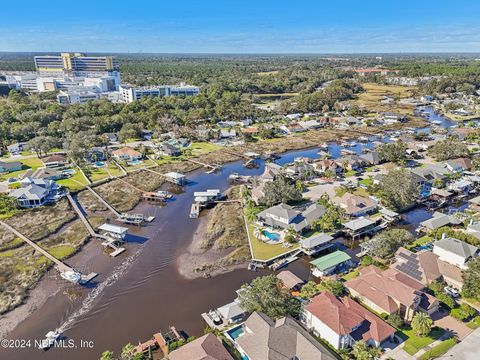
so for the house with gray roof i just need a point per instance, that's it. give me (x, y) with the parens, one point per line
(455, 252)
(316, 243)
(437, 221)
(7, 167)
(283, 339)
(35, 192)
(283, 216)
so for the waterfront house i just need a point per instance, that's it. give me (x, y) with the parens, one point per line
(337, 261)
(371, 157)
(35, 192)
(43, 173)
(351, 162)
(459, 165)
(7, 167)
(207, 347)
(290, 280)
(55, 160)
(126, 154)
(391, 292)
(355, 205)
(342, 321)
(95, 154)
(327, 165)
(225, 315)
(455, 252)
(426, 175)
(169, 150)
(359, 227)
(392, 118)
(283, 216)
(426, 267)
(461, 186)
(316, 243)
(265, 339)
(437, 221)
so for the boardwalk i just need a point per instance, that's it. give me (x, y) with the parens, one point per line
(104, 202)
(82, 217)
(60, 265)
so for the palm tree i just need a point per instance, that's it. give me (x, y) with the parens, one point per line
(421, 323)
(360, 351)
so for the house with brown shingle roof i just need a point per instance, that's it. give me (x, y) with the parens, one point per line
(283, 339)
(207, 347)
(391, 292)
(343, 321)
(355, 205)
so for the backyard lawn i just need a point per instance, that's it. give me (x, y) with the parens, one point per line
(111, 169)
(264, 251)
(29, 163)
(201, 148)
(75, 182)
(413, 343)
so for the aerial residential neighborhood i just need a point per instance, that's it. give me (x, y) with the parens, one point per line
(240, 181)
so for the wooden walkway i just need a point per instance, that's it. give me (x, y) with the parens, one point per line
(103, 201)
(213, 167)
(62, 267)
(83, 218)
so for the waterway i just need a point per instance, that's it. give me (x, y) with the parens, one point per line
(141, 292)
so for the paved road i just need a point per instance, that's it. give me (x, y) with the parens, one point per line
(468, 349)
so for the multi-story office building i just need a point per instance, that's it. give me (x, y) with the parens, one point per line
(129, 94)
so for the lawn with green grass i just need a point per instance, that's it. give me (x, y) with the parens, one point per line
(145, 163)
(366, 182)
(111, 169)
(201, 148)
(438, 350)
(351, 275)
(413, 343)
(29, 163)
(62, 251)
(75, 182)
(264, 251)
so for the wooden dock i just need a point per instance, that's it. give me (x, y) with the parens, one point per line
(212, 168)
(116, 250)
(59, 265)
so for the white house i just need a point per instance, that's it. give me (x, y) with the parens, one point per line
(455, 252)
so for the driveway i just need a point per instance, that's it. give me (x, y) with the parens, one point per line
(468, 349)
(395, 351)
(455, 327)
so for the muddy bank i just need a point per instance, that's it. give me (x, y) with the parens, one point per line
(219, 244)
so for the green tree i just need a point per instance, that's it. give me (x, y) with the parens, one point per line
(386, 243)
(334, 286)
(399, 189)
(361, 351)
(268, 295)
(450, 148)
(395, 320)
(471, 279)
(421, 323)
(280, 190)
(393, 152)
(127, 352)
(309, 290)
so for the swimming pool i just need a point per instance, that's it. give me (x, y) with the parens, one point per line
(235, 332)
(99, 164)
(135, 162)
(68, 172)
(271, 235)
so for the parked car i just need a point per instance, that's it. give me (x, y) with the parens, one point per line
(451, 291)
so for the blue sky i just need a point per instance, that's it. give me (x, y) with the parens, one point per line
(262, 26)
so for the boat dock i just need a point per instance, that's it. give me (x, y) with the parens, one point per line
(116, 250)
(173, 177)
(59, 265)
(213, 168)
(133, 219)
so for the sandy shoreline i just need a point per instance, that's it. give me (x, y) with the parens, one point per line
(196, 257)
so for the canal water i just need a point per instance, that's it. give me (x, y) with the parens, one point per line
(141, 292)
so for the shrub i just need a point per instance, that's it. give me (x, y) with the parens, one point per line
(395, 320)
(446, 300)
(458, 314)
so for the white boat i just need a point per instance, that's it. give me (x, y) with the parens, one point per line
(164, 194)
(49, 340)
(71, 276)
(436, 122)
